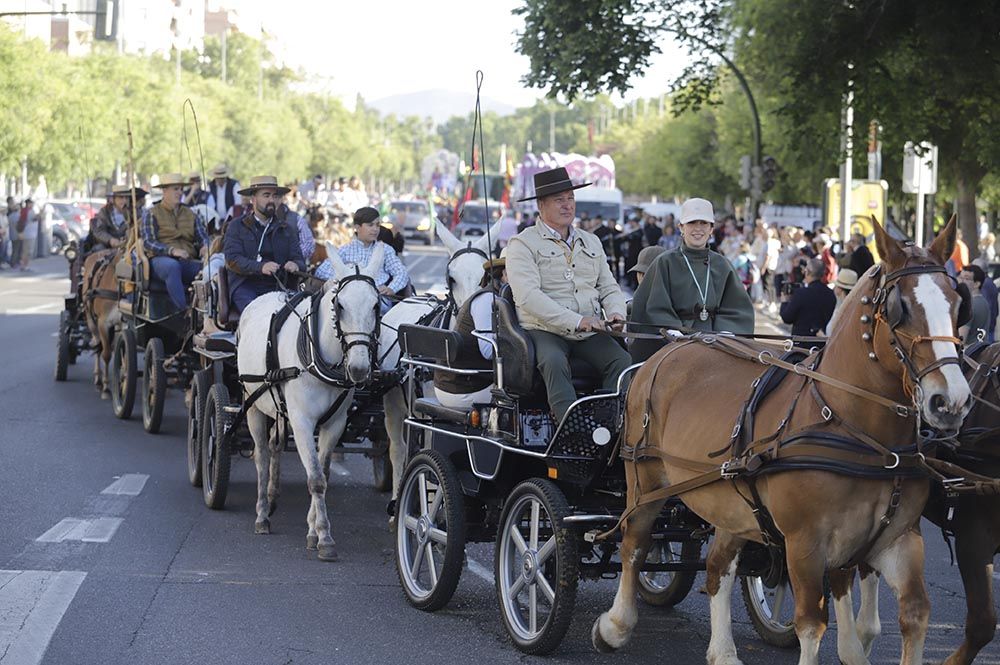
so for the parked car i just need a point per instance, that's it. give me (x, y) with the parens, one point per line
(474, 216)
(69, 222)
(416, 219)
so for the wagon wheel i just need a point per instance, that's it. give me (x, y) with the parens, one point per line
(535, 566)
(214, 449)
(62, 347)
(771, 610)
(430, 531)
(666, 589)
(123, 373)
(382, 471)
(154, 386)
(199, 391)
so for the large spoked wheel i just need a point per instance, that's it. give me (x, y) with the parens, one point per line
(154, 386)
(430, 531)
(535, 565)
(200, 386)
(382, 472)
(771, 610)
(214, 450)
(62, 347)
(123, 373)
(666, 589)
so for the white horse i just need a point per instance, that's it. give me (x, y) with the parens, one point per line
(348, 306)
(464, 272)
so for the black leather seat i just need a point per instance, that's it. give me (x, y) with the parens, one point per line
(431, 408)
(226, 317)
(521, 376)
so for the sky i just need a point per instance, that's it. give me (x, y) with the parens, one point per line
(387, 47)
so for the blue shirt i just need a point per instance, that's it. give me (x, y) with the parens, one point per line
(392, 273)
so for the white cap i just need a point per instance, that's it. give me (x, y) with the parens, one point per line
(697, 210)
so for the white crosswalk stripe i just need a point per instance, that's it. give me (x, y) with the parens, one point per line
(32, 603)
(130, 484)
(99, 530)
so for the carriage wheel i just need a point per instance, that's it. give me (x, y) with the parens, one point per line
(666, 589)
(430, 531)
(154, 386)
(199, 391)
(771, 610)
(535, 565)
(123, 373)
(62, 347)
(382, 472)
(214, 450)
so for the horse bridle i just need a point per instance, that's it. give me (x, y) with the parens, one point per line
(368, 340)
(468, 249)
(887, 301)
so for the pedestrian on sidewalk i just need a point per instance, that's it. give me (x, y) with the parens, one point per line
(27, 233)
(809, 308)
(973, 277)
(846, 280)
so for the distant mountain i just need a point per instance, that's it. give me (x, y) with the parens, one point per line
(438, 104)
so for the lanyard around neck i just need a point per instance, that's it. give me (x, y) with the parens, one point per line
(708, 272)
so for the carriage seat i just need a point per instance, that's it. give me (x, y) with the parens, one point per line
(226, 317)
(438, 346)
(521, 376)
(431, 408)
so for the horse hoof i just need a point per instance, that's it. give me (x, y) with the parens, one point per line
(105, 395)
(262, 527)
(392, 524)
(327, 553)
(274, 507)
(312, 542)
(600, 644)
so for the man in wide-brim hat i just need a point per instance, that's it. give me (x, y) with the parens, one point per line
(109, 228)
(564, 291)
(196, 194)
(260, 243)
(174, 238)
(223, 189)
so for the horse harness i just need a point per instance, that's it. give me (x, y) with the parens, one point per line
(812, 446)
(90, 293)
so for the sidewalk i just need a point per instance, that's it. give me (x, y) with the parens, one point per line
(768, 322)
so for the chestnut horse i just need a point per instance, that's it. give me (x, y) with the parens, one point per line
(892, 346)
(100, 304)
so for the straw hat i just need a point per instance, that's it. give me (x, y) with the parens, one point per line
(846, 279)
(170, 180)
(194, 175)
(125, 190)
(220, 171)
(263, 182)
(500, 262)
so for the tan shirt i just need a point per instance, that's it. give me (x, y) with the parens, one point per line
(556, 283)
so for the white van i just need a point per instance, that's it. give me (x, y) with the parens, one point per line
(594, 201)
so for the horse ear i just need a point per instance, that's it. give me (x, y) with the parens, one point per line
(888, 247)
(944, 243)
(482, 242)
(339, 269)
(375, 262)
(451, 243)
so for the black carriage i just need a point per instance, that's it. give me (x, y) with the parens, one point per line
(151, 325)
(543, 492)
(216, 428)
(74, 336)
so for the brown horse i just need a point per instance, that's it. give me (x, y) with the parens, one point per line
(100, 303)
(893, 340)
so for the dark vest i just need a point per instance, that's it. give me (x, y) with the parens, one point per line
(228, 192)
(469, 357)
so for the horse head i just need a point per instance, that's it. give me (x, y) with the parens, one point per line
(464, 271)
(355, 311)
(917, 310)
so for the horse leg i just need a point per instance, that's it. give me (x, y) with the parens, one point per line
(277, 444)
(869, 625)
(395, 411)
(318, 534)
(902, 566)
(257, 424)
(805, 572)
(720, 575)
(849, 646)
(614, 628)
(329, 436)
(974, 548)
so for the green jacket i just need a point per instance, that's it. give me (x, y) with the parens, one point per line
(669, 298)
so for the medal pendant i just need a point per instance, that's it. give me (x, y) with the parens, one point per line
(568, 274)
(259, 258)
(704, 315)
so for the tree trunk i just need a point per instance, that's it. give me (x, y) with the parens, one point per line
(968, 175)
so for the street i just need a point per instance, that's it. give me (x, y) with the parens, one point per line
(109, 556)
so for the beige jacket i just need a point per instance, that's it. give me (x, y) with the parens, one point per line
(537, 265)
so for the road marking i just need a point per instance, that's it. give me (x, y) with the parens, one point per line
(99, 530)
(35, 309)
(10, 292)
(339, 469)
(420, 259)
(32, 603)
(479, 570)
(130, 484)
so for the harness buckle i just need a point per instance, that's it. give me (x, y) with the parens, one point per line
(736, 431)
(645, 420)
(762, 354)
(893, 466)
(731, 468)
(826, 413)
(902, 411)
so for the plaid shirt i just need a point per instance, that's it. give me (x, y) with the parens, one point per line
(151, 234)
(355, 252)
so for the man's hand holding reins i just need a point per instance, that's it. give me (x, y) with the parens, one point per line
(270, 267)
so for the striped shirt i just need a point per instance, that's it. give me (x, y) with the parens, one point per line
(151, 234)
(393, 272)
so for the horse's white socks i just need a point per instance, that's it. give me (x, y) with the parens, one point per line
(721, 647)
(849, 647)
(869, 625)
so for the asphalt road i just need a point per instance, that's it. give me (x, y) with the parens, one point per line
(108, 555)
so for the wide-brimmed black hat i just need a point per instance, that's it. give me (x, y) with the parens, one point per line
(552, 182)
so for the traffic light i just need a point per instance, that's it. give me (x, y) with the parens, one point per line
(755, 181)
(745, 172)
(769, 173)
(106, 25)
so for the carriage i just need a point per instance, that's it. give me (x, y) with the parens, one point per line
(74, 336)
(542, 491)
(216, 430)
(153, 325)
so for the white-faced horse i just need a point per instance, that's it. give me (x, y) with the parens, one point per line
(347, 328)
(463, 273)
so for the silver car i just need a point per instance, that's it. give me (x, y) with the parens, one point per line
(414, 218)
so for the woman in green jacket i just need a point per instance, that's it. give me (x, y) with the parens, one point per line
(691, 286)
